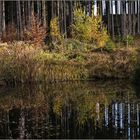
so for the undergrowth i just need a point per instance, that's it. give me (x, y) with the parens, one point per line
(24, 63)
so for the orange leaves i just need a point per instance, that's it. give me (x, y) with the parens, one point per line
(35, 33)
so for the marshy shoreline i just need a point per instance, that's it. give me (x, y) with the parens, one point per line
(23, 63)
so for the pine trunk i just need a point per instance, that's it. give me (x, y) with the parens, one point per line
(44, 13)
(3, 19)
(0, 20)
(19, 24)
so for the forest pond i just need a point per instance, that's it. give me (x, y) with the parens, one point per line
(103, 109)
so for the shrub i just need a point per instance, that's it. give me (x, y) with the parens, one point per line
(35, 33)
(10, 34)
(72, 45)
(110, 46)
(54, 30)
(128, 40)
(18, 62)
(89, 29)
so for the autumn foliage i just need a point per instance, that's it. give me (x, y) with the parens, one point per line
(54, 30)
(35, 33)
(89, 29)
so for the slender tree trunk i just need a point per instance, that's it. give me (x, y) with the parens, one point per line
(129, 17)
(65, 20)
(71, 11)
(49, 12)
(0, 20)
(112, 20)
(90, 8)
(117, 21)
(52, 7)
(108, 16)
(32, 9)
(23, 16)
(44, 13)
(38, 10)
(134, 18)
(58, 8)
(29, 12)
(12, 12)
(19, 25)
(61, 17)
(124, 19)
(3, 19)
(138, 13)
(99, 8)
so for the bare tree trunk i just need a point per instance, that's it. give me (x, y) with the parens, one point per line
(71, 12)
(38, 10)
(52, 7)
(58, 8)
(112, 20)
(108, 16)
(23, 16)
(44, 13)
(61, 17)
(134, 18)
(32, 9)
(29, 12)
(65, 13)
(0, 20)
(100, 8)
(90, 7)
(19, 25)
(117, 21)
(138, 10)
(124, 19)
(3, 19)
(129, 17)
(12, 13)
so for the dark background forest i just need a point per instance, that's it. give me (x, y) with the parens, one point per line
(120, 17)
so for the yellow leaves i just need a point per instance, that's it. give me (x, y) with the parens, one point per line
(78, 15)
(89, 29)
(102, 38)
(54, 30)
(58, 104)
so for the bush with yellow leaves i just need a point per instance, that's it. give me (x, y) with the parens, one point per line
(54, 30)
(89, 29)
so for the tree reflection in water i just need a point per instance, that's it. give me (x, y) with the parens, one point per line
(70, 110)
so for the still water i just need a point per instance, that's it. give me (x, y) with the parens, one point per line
(104, 109)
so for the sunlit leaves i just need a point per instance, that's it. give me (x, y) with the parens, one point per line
(89, 29)
(55, 30)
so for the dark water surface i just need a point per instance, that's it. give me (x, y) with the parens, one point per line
(71, 110)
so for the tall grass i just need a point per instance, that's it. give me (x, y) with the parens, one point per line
(24, 63)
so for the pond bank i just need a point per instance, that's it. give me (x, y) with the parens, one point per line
(24, 63)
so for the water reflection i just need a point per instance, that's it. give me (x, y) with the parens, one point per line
(70, 110)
